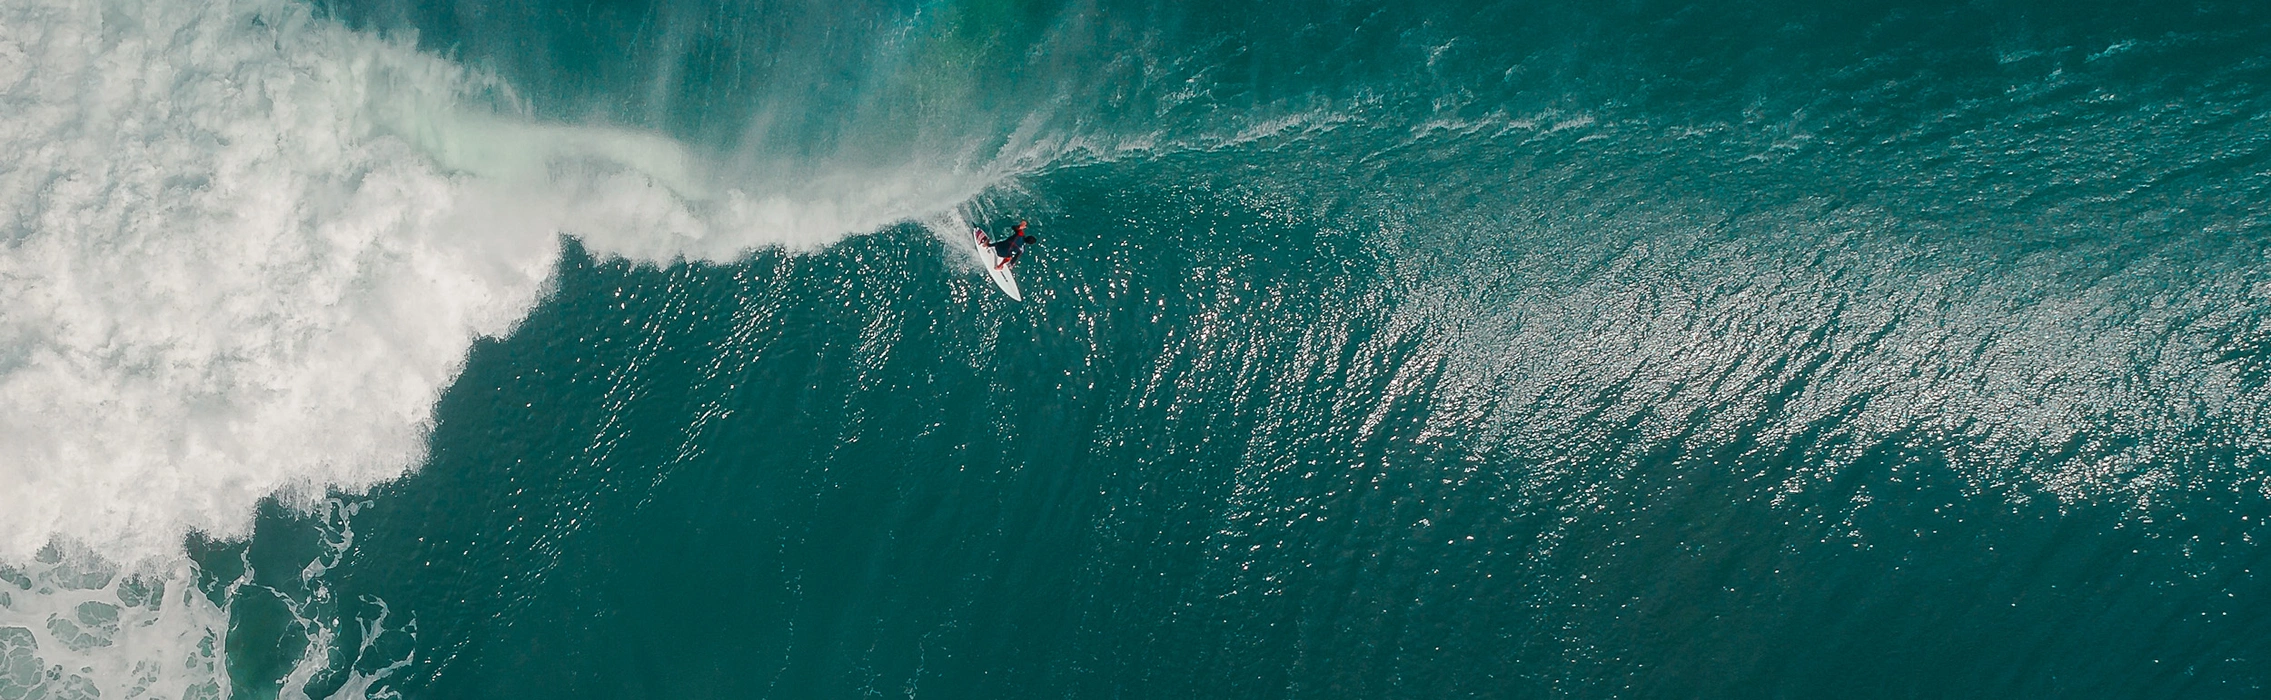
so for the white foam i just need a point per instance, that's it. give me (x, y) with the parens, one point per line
(224, 282)
(244, 249)
(71, 623)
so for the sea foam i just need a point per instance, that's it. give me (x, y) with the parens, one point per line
(247, 248)
(243, 250)
(224, 280)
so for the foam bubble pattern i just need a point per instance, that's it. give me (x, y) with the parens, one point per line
(73, 626)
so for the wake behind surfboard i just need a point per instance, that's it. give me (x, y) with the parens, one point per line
(992, 263)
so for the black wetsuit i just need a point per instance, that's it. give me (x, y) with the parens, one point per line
(1011, 248)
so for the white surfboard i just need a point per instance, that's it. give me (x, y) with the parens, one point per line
(1000, 275)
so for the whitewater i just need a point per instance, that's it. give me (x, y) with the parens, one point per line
(246, 248)
(249, 247)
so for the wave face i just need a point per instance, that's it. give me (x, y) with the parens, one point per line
(1453, 349)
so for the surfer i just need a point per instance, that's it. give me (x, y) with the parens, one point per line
(1013, 248)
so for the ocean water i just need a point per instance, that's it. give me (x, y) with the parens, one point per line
(1448, 349)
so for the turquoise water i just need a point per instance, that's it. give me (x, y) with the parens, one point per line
(1506, 350)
